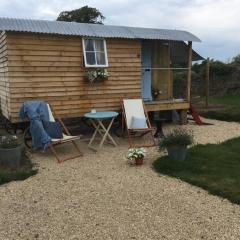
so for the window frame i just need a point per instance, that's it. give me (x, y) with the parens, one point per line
(85, 57)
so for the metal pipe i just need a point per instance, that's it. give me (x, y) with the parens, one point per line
(168, 68)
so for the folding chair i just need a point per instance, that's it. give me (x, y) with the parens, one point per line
(135, 108)
(66, 138)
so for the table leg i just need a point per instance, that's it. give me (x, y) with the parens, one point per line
(95, 132)
(106, 134)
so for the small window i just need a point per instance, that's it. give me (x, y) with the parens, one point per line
(95, 52)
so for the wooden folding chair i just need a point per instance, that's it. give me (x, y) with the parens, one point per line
(67, 137)
(135, 108)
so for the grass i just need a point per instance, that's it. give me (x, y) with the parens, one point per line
(231, 110)
(213, 167)
(23, 172)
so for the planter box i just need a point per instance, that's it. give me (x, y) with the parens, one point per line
(11, 157)
(177, 152)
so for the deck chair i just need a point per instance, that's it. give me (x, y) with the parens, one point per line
(66, 138)
(135, 108)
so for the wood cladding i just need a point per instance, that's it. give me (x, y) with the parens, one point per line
(4, 79)
(51, 68)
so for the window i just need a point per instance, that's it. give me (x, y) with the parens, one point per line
(95, 52)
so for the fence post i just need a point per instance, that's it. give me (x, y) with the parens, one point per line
(189, 73)
(207, 83)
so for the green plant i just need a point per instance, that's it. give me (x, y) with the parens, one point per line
(134, 153)
(97, 74)
(25, 170)
(177, 137)
(10, 141)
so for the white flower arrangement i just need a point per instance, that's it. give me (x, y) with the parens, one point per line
(98, 73)
(134, 153)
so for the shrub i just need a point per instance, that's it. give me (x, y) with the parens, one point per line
(177, 137)
(10, 141)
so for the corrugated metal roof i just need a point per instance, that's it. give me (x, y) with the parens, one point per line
(93, 30)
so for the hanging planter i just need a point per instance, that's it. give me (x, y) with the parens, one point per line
(97, 75)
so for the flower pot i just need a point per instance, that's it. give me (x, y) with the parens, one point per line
(11, 157)
(139, 161)
(177, 152)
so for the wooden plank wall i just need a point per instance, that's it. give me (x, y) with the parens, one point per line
(51, 68)
(4, 80)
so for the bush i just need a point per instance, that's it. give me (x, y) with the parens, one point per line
(24, 171)
(177, 137)
(10, 141)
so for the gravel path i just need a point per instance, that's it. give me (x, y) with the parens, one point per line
(99, 196)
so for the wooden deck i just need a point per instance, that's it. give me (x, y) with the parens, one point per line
(172, 104)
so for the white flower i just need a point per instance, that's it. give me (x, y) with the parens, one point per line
(134, 153)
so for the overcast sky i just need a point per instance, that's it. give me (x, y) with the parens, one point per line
(215, 22)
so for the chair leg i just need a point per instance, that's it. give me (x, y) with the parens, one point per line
(77, 147)
(55, 153)
(68, 158)
(133, 145)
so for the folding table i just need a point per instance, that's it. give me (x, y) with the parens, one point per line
(96, 120)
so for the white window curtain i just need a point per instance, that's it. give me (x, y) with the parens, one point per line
(95, 53)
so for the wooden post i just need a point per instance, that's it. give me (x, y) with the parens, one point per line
(207, 83)
(183, 117)
(189, 74)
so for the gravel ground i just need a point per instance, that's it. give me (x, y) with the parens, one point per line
(99, 196)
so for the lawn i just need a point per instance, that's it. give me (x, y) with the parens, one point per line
(231, 110)
(21, 173)
(213, 167)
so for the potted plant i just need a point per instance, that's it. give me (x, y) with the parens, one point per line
(97, 75)
(11, 149)
(136, 156)
(176, 143)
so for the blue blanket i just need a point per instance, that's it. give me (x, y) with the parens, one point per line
(36, 112)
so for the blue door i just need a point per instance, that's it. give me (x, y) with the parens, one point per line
(146, 71)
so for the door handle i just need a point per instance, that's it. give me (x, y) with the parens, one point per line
(147, 70)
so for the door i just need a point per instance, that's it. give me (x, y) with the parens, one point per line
(161, 78)
(146, 72)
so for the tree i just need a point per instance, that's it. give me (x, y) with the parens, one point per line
(83, 15)
(236, 60)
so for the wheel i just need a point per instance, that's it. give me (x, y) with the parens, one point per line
(15, 128)
(27, 138)
(10, 127)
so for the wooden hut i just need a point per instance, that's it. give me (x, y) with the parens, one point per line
(50, 60)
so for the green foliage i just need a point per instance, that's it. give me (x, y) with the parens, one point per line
(224, 77)
(213, 167)
(82, 15)
(236, 60)
(219, 68)
(24, 171)
(10, 141)
(177, 137)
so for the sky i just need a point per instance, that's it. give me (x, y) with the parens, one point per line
(215, 22)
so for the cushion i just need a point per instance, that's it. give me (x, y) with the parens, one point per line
(137, 122)
(53, 129)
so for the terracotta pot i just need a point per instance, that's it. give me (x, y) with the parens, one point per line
(139, 161)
